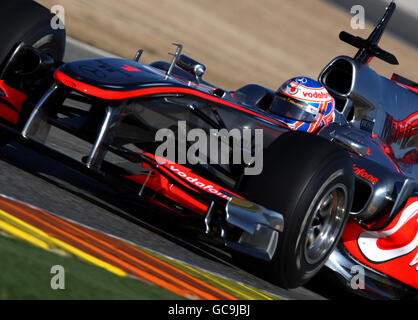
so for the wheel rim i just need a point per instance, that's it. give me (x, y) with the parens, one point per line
(325, 223)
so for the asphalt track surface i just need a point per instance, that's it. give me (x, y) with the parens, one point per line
(32, 178)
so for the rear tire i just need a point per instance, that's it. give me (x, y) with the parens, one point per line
(310, 181)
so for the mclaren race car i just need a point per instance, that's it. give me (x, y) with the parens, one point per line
(291, 203)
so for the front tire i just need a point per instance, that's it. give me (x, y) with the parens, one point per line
(310, 181)
(28, 21)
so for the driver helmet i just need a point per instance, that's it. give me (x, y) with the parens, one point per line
(303, 104)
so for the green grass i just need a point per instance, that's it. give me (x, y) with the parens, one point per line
(25, 273)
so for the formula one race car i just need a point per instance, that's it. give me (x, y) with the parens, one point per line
(343, 195)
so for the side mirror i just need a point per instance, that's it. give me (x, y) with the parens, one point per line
(192, 66)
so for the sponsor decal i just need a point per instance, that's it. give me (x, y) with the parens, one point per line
(130, 69)
(363, 174)
(295, 88)
(198, 182)
(316, 95)
(291, 89)
(389, 244)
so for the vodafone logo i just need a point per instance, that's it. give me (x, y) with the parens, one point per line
(316, 95)
(362, 173)
(309, 92)
(390, 244)
(198, 183)
(301, 80)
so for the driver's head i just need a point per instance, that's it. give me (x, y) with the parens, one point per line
(304, 104)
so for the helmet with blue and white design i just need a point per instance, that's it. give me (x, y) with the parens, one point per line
(303, 104)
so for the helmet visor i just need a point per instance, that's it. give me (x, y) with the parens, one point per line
(291, 108)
